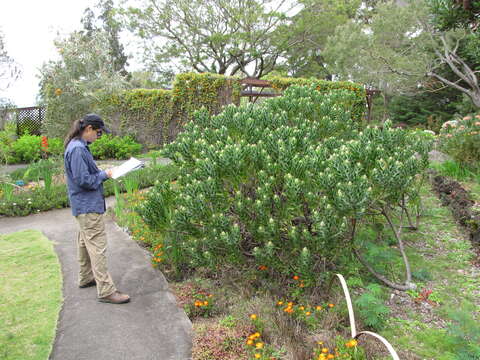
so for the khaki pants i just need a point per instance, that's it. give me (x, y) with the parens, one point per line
(92, 248)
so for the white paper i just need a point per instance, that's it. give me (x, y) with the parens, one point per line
(126, 167)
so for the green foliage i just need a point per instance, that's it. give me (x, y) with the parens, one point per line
(422, 109)
(115, 147)
(451, 14)
(277, 184)
(309, 31)
(461, 139)
(7, 138)
(456, 170)
(55, 146)
(422, 275)
(464, 333)
(71, 86)
(156, 211)
(371, 308)
(215, 36)
(324, 86)
(381, 52)
(26, 149)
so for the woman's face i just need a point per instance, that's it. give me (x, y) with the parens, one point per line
(90, 134)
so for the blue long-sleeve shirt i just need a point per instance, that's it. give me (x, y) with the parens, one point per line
(84, 179)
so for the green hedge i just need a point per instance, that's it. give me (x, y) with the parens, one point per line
(325, 86)
(36, 200)
(155, 116)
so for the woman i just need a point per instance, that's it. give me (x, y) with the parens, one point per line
(85, 191)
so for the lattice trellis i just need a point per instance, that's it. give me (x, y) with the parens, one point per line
(30, 120)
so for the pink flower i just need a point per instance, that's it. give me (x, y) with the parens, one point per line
(467, 118)
(477, 123)
(449, 135)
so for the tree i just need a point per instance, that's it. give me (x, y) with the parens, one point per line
(309, 31)
(400, 49)
(112, 27)
(219, 36)
(72, 85)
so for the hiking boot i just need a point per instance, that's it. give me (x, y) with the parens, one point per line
(115, 298)
(91, 283)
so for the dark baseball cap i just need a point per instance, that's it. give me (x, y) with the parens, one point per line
(96, 122)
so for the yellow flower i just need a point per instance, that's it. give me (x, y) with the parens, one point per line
(331, 305)
(256, 335)
(253, 316)
(58, 92)
(318, 308)
(325, 350)
(249, 342)
(308, 313)
(257, 356)
(302, 308)
(330, 356)
(351, 343)
(259, 345)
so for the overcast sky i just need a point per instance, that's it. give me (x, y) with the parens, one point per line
(29, 27)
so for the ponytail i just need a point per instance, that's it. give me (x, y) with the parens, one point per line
(75, 132)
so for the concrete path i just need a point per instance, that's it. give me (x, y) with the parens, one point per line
(150, 327)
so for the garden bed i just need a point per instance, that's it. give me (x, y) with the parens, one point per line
(462, 205)
(415, 322)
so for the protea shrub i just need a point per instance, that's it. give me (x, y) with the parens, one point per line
(283, 185)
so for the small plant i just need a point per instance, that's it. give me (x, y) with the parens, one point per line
(371, 307)
(257, 346)
(131, 183)
(228, 321)
(202, 305)
(6, 191)
(424, 295)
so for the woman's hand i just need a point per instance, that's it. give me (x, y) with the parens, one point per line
(109, 173)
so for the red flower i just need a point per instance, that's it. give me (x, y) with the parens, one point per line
(44, 144)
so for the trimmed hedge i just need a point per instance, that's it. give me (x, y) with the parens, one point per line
(36, 200)
(155, 116)
(325, 86)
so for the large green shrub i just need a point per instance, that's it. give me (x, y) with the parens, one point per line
(281, 184)
(115, 147)
(27, 149)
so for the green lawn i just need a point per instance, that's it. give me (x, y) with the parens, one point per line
(30, 293)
